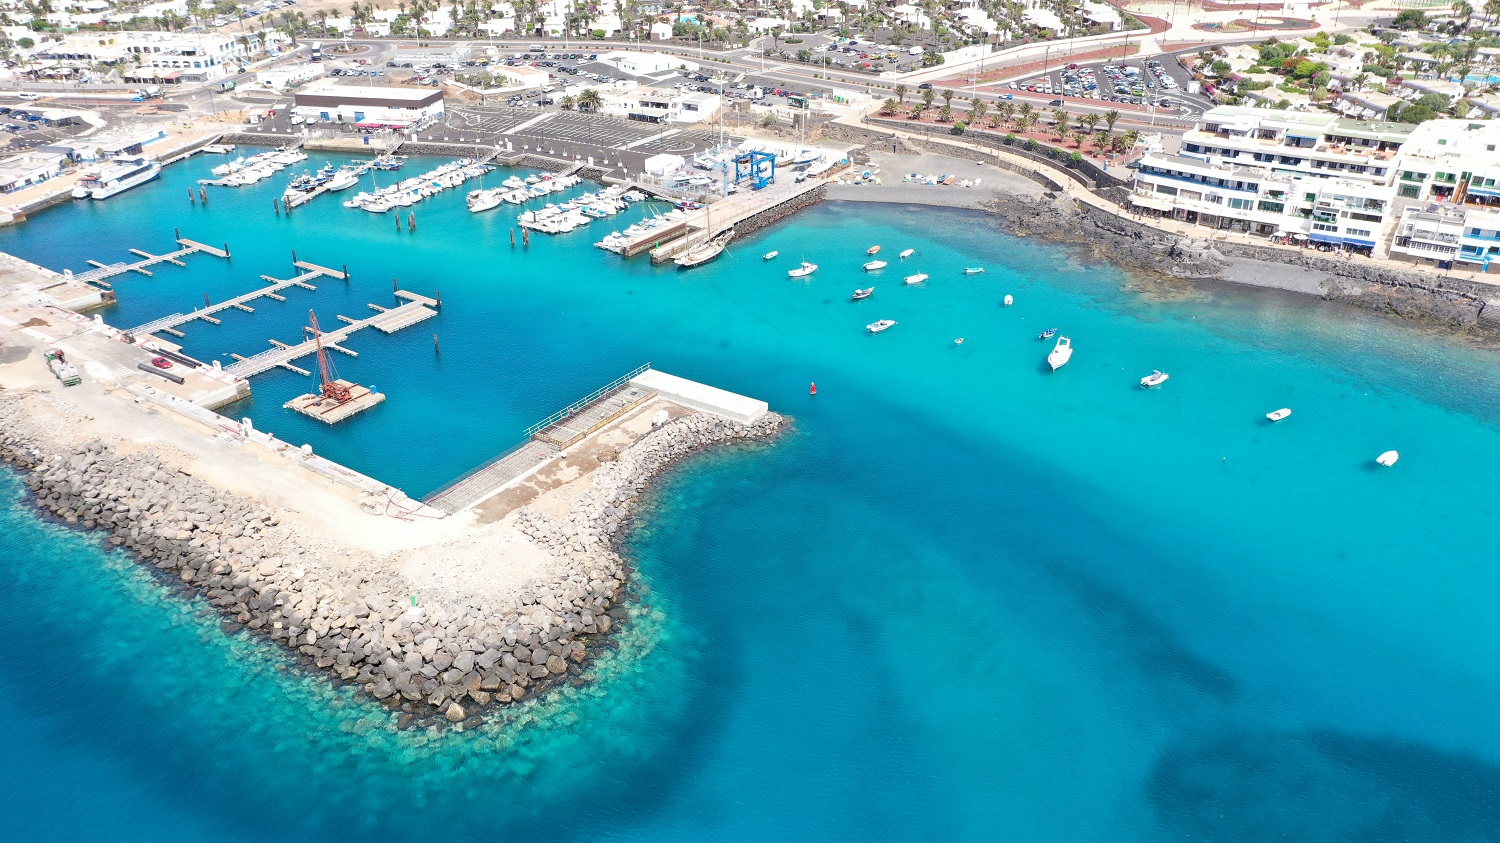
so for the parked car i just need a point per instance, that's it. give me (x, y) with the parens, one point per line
(161, 362)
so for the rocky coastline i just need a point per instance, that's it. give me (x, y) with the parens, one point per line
(425, 655)
(1451, 302)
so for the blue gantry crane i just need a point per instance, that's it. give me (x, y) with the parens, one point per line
(758, 168)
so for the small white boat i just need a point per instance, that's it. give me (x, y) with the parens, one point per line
(1060, 354)
(343, 180)
(871, 266)
(1009, 300)
(973, 270)
(803, 271)
(959, 341)
(908, 253)
(1278, 415)
(1156, 378)
(862, 294)
(769, 255)
(879, 325)
(1388, 458)
(915, 279)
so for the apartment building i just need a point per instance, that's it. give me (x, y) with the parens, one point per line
(1451, 168)
(1319, 176)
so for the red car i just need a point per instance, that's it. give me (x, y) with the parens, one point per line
(161, 362)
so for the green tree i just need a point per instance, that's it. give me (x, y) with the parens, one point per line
(1089, 122)
(1111, 117)
(1101, 140)
(889, 106)
(901, 90)
(1060, 122)
(928, 95)
(977, 108)
(1077, 138)
(947, 96)
(590, 100)
(945, 113)
(1411, 19)
(568, 102)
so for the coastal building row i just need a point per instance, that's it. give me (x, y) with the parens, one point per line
(1427, 192)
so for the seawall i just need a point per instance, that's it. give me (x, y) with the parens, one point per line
(1411, 294)
(424, 639)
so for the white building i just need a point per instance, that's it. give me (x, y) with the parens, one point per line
(26, 170)
(651, 105)
(645, 64)
(1449, 234)
(368, 105)
(280, 78)
(522, 77)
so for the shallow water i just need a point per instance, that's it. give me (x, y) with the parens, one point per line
(963, 598)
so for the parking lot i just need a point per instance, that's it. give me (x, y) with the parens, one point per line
(1157, 81)
(23, 126)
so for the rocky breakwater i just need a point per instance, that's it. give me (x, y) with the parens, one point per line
(449, 655)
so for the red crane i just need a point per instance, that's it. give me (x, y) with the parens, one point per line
(330, 387)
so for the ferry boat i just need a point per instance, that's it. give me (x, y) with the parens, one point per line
(1047, 334)
(803, 271)
(879, 325)
(1278, 415)
(1156, 378)
(915, 279)
(871, 266)
(862, 294)
(116, 179)
(1060, 354)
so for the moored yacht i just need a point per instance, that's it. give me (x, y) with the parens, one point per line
(862, 294)
(871, 266)
(803, 271)
(1278, 415)
(915, 279)
(879, 325)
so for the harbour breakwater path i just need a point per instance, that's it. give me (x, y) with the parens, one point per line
(360, 619)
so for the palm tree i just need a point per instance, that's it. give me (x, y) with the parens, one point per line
(1027, 113)
(947, 96)
(1130, 139)
(889, 106)
(901, 90)
(568, 102)
(1007, 109)
(1465, 11)
(977, 108)
(1101, 139)
(1089, 122)
(590, 100)
(1111, 117)
(945, 114)
(1023, 122)
(927, 97)
(1060, 122)
(1077, 137)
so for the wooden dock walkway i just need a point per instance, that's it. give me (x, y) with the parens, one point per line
(385, 320)
(102, 271)
(240, 302)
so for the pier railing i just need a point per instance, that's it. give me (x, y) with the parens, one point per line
(585, 401)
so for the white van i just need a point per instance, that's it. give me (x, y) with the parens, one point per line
(915, 51)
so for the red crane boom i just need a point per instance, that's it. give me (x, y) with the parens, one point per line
(329, 387)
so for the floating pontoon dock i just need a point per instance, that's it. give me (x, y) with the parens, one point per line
(102, 271)
(385, 320)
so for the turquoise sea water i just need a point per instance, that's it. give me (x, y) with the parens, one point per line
(963, 599)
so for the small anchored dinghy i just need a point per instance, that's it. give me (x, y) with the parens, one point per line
(1278, 415)
(1388, 458)
(871, 266)
(1156, 378)
(769, 255)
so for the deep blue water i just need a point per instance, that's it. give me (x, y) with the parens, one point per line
(963, 599)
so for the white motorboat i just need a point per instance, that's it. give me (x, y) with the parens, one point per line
(344, 179)
(807, 156)
(915, 279)
(1009, 300)
(803, 271)
(1388, 458)
(483, 200)
(879, 325)
(862, 294)
(973, 270)
(1278, 415)
(513, 183)
(871, 266)
(1060, 354)
(769, 255)
(908, 253)
(1156, 378)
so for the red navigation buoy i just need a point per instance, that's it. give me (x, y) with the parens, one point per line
(813, 390)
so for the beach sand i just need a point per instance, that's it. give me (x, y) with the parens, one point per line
(893, 166)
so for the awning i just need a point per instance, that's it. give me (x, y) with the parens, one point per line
(1151, 202)
(173, 76)
(1355, 241)
(1326, 238)
(1484, 191)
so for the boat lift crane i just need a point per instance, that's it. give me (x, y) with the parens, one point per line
(759, 168)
